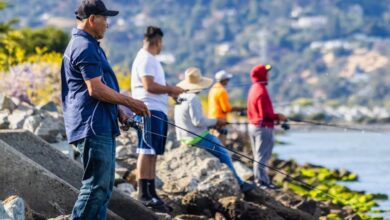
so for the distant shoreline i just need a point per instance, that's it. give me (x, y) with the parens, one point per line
(372, 128)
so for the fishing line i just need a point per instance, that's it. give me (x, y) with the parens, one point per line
(289, 177)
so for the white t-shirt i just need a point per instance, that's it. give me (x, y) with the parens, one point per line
(145, 64)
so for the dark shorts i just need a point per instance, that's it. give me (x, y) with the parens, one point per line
(152, 140)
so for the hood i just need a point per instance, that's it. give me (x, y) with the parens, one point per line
(259, 73)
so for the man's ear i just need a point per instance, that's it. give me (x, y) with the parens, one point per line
(91, 19)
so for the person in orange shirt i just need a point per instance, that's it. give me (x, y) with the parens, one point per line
(219, 105)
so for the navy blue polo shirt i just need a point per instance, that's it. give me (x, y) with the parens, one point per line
(85, 116)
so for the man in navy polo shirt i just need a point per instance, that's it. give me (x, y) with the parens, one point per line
(90, 98)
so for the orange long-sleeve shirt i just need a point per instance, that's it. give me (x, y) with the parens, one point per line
(219, 105)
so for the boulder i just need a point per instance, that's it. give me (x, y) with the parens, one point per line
(243, 171)
(49, 129)
(61, 217)
(3, 212)
(187, 169)
(309, 206)
(198, 203)
(32, 122)
(163, 216)
(125, 188)
(17, 118)
(261, 197)
(58, 165)
(50, 107)
(6, 104)
(190, 217)
(17, 209)
(235, 208)
(4, 122)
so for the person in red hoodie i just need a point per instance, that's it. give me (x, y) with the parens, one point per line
(261, 117)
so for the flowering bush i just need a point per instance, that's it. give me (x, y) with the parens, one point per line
(39, 80)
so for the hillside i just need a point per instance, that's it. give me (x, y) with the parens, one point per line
(327, 50)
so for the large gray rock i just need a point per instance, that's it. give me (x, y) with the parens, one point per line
(32, 122)
(45, 192)
(46, 126)
(3, 212)
(234, 208)
(243, 171)
(17, 118)
(4, 122)
(186, 169)
(70, 171)
(6, 103)
(49, 129)
(17, 209)
(50, 107)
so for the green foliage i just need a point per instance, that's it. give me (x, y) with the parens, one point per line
(327, 188)
(5, 26)
(21, 45)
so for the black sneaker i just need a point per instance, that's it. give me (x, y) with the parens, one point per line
(246, 187)
(152, 202)
(157, 201)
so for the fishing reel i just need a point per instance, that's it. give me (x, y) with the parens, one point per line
(285, 125)
(135, 122)
(179, 100)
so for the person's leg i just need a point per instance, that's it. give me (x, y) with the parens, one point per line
(145, 161)
(144, 174)
(96, 186)
(160, 130)
(262, 152)
(255, 143)
(103, 210)
(266, 152)
(214, 146)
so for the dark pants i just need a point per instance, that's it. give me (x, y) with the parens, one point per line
(98, 157)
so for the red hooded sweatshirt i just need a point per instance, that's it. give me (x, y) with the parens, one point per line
(260, 110)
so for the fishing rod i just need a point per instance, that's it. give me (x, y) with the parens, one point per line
(301, 122)
(228, 86)
(334, 125)
(289, 177)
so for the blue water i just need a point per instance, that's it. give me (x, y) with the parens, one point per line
(367, 154)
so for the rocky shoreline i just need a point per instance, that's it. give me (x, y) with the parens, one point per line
(194, 183)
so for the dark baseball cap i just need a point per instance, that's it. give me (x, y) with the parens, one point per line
(93, 7)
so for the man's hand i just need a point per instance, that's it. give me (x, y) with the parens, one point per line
(122, 117)
(138, 107)
(174, 91)
(220, 123)
(282, 117)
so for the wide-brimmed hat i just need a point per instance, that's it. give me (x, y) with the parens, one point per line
(222, 75)
(194, 81)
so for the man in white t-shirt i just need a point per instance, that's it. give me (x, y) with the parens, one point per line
(148, 84)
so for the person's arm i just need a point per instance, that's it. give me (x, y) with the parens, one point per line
(197, 117)
(155, 88)
(265, 115)
(224, 102)
(98, 90)
(88, 60)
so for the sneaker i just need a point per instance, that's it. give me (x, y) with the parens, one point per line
(151, 202)
(265, 186)
(157, 201)
(246, 187)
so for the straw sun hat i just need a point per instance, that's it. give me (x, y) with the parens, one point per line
(194, 81)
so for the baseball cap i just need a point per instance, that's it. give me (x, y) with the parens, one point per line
(93, 7)
(222, 75)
